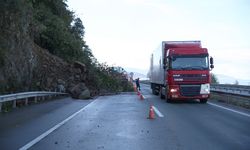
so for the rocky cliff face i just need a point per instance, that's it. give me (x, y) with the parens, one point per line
(53, 74)
(29, 67)
(17, 57)
(24, 66)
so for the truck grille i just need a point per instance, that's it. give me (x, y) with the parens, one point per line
(192, 78)
(198, 77)
(190, 90)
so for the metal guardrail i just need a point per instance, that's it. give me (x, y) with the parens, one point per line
(25, 96)
(241, 90)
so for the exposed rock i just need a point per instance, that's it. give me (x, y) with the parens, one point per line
(60, 88)
(77, 76)
(85, 94)
(80, 65)
(79, 89)
(49, 82)
(60, 81)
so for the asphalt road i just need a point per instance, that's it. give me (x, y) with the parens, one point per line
(120, 123)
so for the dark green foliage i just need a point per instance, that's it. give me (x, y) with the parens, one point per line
(7, 106)
(214, 79)
(53, 31)
(112, 80)
(78, 28)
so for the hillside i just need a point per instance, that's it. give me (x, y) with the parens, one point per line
(42, 47)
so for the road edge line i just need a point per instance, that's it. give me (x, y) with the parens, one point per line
(40, 137)
(235, 111)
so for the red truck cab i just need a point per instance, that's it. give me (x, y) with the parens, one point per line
(181, 70)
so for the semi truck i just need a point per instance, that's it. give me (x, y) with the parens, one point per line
(180, 70)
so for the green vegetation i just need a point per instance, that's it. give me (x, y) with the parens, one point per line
(214, 79)
(236, 82)
(55, 28)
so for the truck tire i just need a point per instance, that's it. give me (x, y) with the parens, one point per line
(154, 90)
(161, 95)
(203, 101)
(168, 100)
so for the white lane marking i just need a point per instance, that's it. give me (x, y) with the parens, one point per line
(235, 111)
(143, 96)
(157, 112)
(39, 138)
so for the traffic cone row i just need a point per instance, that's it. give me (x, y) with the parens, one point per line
(151, 110)
(140, 95)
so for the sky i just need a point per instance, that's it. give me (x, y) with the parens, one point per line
(125, 32)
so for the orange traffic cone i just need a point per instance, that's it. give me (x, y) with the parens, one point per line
(151, 113)
(141, 97)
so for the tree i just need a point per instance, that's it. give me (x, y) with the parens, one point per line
(214, 79)
(57, 30)
(78, 28)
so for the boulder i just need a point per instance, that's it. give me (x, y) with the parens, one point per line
(85, 94)
(60, 81)
(80, 89)
(80, 65)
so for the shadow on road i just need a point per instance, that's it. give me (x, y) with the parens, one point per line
(185, 102)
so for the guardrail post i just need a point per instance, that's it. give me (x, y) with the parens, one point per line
(26, 101)
(0, 107)
(35, 99)
(14, 104)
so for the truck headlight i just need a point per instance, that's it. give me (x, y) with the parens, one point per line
(173, 90)
(205, 89)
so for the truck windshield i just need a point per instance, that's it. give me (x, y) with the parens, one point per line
(189, 62)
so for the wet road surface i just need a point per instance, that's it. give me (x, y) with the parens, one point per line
(120, 122)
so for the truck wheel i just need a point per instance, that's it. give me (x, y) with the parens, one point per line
(168, 100)
(203, 101)
(161, 95)
(153, 91)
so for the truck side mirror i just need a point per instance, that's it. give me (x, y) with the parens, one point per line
(211, 60)
(164, 61)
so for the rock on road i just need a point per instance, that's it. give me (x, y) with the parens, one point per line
(120, 122)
